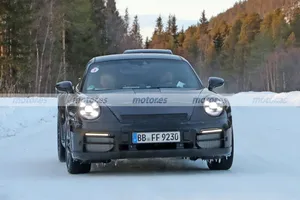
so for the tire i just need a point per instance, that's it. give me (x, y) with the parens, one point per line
(61, 151)
(224, 163)
(74, 166)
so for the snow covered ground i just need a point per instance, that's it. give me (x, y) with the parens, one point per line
(266, 164)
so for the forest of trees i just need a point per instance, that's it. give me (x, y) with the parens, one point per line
(45, 41)
(255, 45)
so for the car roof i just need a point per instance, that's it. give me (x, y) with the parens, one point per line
(136, 56)
(162, 51)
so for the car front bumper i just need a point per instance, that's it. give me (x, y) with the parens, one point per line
(94, 144)
(192, 153)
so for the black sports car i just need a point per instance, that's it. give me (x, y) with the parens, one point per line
(142, 106)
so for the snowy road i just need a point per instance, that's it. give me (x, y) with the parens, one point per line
(266, 164)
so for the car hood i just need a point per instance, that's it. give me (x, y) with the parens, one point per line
(136, 104)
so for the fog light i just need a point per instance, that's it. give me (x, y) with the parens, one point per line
(97, 134)
(216, 130)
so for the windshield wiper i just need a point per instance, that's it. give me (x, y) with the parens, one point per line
(162, 87)
(105, 89)
(133, 87)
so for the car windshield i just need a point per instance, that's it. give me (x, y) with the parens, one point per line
(140, 74)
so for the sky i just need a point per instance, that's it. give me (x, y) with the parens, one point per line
(187, 12)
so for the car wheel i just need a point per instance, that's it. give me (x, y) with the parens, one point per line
(223, 163)
(74, 166)
(61, 151)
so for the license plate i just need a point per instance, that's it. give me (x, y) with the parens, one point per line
(156, 137)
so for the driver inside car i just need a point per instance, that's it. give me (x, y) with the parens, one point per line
(167, 79)
(107, 81)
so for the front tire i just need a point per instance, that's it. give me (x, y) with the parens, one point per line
(61, 151)
(223, 163)
(74, 166)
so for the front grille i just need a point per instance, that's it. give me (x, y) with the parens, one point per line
(156, 117)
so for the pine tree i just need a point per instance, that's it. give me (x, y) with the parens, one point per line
(174, 27)
(159, 26)
(135, 33)
(111, 7)
(99, 19)
(147, 43)
(83, 32)
(126, 20)
(203, 24)
(115, 27)
(169, 25)
(203, 20)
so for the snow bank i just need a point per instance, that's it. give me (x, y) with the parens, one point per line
(14, 118)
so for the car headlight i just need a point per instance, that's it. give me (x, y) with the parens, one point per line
(89, 109)
(213, 106)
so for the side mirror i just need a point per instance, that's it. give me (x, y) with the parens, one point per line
(214, 82)
(65, 86)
